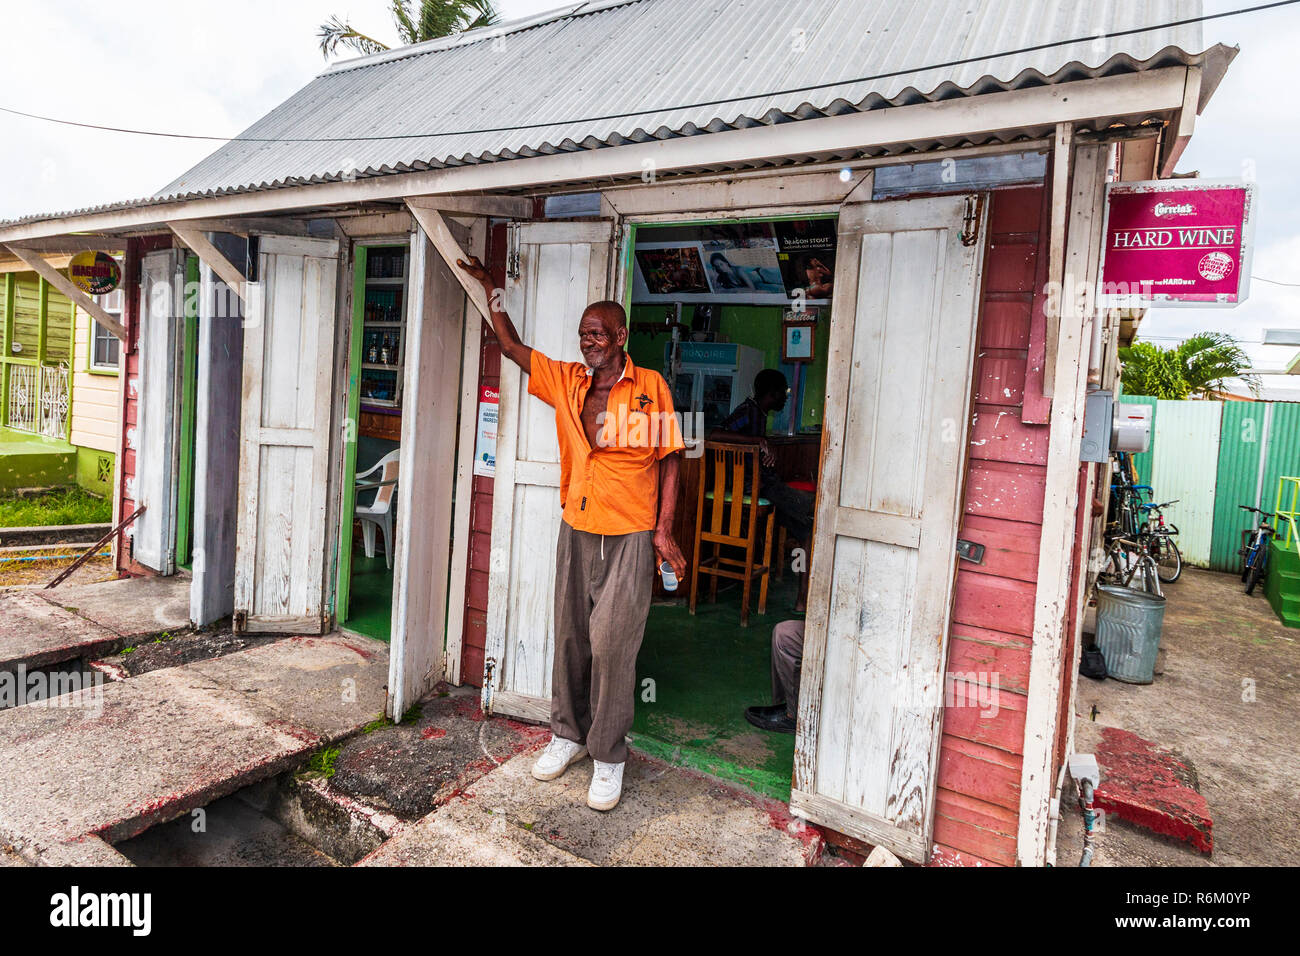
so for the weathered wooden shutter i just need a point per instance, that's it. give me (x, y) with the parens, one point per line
(562, 267)
(158, 410)
(897, 410)
(435, 325)
(285, 437)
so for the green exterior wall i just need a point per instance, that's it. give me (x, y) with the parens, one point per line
(95, 471)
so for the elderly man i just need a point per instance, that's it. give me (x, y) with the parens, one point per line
(619, 459)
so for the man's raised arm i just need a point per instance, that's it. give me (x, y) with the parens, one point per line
(511, 346)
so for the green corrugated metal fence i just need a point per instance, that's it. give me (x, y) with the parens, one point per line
(1241, 446)
(1218, 460)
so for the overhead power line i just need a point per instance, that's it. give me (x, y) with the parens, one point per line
(965, 61)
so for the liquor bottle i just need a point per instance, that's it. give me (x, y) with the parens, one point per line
(373, 356)
(383, 352)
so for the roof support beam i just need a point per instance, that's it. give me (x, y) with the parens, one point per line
(1180, 134)
(72, 244)
(499, 207)
(1128, 97)
(439, 233)
(211, 257)
(61, 282)
(265, 226)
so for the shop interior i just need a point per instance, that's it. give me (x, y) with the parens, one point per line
(367, 545)
(712, 304)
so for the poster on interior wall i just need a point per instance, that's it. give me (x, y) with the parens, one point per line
(672, 269)
(1183, 242)
(806, 252)
(743, 266)
(485, 442)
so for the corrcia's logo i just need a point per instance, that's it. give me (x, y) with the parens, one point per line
(1169, 209)
(74, 909)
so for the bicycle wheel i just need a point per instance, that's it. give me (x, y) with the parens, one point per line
(1253, 575)
(1169, 560)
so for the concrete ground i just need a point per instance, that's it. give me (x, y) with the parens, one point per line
(84, 619)
(131, 607)
(90, 769)
(1228, 701)
(494, 812)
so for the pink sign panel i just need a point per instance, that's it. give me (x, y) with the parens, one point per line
(1182, 242)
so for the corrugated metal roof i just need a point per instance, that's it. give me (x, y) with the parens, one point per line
(542, 85)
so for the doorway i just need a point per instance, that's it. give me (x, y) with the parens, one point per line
(372, 463)
(711, 305)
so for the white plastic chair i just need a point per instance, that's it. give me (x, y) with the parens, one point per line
(379, 513)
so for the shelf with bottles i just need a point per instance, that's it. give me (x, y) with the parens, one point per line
(381, 346)
(383, 326)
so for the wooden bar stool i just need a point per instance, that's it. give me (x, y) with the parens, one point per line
(729, 516)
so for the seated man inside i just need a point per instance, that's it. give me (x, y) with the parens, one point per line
(787, 661)
(747, 423)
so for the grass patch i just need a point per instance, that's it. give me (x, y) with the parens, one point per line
(58, 507)
(321, 764)
(411, 713)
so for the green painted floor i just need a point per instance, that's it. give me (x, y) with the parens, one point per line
(370, 606)
(706, 670)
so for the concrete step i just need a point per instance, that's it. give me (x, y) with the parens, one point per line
(1152, 788)
(36, 632)
(110, 763)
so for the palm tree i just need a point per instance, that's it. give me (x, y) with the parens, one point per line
(1193, 368)
(436, 18)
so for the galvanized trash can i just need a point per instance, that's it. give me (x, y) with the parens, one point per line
(1129, 622)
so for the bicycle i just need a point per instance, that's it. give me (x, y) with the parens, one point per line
(1125, 558)
(1255, 551)
(1158, 541)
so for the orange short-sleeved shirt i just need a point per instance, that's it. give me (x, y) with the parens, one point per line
(613, 488)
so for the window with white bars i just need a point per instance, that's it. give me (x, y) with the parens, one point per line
(105, 349)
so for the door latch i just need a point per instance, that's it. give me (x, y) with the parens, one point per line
(489, 667)
(970, 551)
(970, 226)
(512, 250)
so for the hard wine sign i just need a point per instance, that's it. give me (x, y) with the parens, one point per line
(1177, 242)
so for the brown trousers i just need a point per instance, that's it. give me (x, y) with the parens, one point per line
(603, 585)
(787, 663)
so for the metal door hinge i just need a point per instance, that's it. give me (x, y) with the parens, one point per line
(970, 226)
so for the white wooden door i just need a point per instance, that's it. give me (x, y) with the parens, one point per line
(562, 268)
(897, 409)
(435, 324)
(289, 342)
(158, 410)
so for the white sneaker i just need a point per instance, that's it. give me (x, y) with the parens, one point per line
(606, 786)
(559, 755)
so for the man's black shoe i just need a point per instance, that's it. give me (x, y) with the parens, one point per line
(772, 717)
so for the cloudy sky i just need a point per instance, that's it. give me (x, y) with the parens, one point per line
(214, 67)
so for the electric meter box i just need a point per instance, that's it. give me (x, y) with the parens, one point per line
(1131, 430)
(1097, 413)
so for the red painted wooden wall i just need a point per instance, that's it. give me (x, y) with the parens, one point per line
(980, 758)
